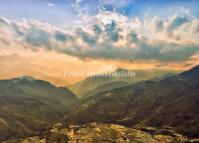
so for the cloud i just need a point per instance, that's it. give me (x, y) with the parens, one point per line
(112, 36)
(51, 4)
(177, 21)
(59, 36)
(37, 38)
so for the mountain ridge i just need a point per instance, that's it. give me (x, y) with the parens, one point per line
(93, 82)
(147, 103)
(27, 106)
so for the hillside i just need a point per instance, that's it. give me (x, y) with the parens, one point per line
(83, 87)
(105, 87)
(172, 101)
(27, 105)
(105, 133)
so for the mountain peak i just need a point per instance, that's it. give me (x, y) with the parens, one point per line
(194, 72)
(29, 78)
(23, 78)
(196, 68)
(121, 70)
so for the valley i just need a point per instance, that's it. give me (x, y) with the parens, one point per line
(155, 109)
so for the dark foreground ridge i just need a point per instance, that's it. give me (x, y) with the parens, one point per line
(107, 133)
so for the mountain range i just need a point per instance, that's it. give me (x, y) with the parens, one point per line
(28, 105)
(172, 101)
(88, 86)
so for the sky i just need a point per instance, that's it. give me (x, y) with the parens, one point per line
(45, 38)
(64, 12)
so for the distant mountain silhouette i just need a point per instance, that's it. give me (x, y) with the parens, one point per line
(83, 87)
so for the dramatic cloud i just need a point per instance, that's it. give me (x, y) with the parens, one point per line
(111, 36)
(37, 37)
